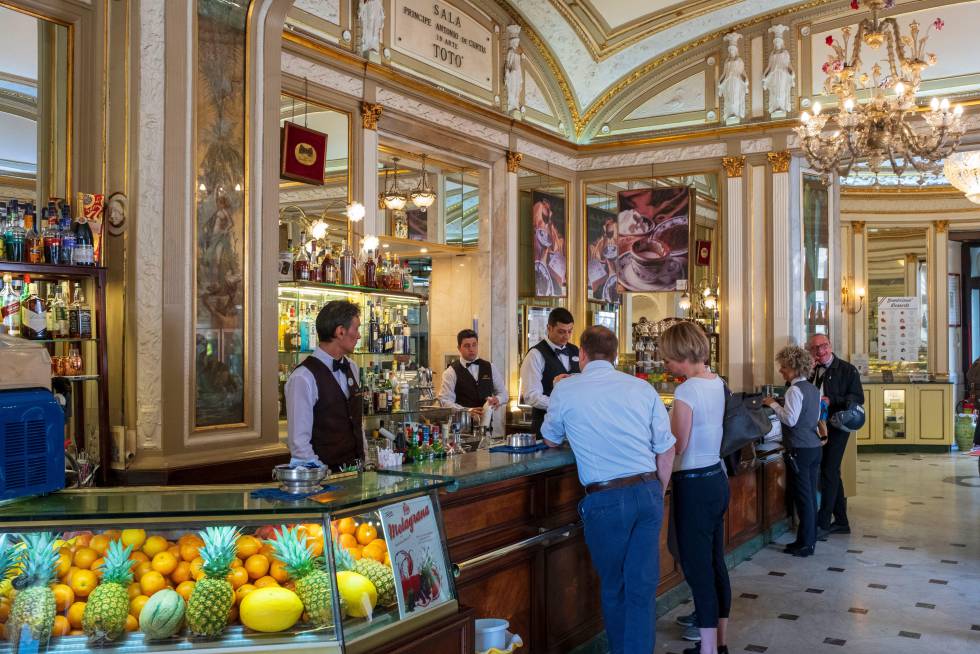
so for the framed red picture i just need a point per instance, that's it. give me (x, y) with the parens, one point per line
(304, 154)
(704, 253)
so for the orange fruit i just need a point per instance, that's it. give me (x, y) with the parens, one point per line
(315, 545)
(278, 571)
(82, 540)
(64, 562)
(138, 556)
(181, 573)
(164, 563)
(132, 624)
(85, 557)
(152, 582)
(137, 603)
(99, 543)
(154, 545)
(246, 546)
(74, 614)
(347, 526)
(83, 582)
(356, 552)
(387, 560)
(313, 529)
(257, 566)
(267, 550)
(97, 567)
(233, 615)
(185, 588)
(262, 582)
(197, 568)
(4, 610)
(379, 542)
(236, 562)
(76, 632)
(141, 569)
(134, 590)
(238, 577)
(366, 533)
(61, 626)
(242, 591)
(64, 597)
(134, 537)
(175, 550)
(348, 541)
(112, 534)
(374, 552)
(190, 551)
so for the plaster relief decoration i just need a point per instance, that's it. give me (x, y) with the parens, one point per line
(444, 119)
(328, 10)
(371, 15)
(513, 71)
(219, 321)
(779, 77)
(684, 96)
(733, 85)
(316, 73)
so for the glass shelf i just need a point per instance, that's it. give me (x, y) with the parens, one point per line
(77, 378)
(61, 340)
(318, 289)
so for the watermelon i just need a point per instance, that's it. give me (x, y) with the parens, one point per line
(163, 615)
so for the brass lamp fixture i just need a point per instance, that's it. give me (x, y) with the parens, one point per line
(394, 198)
(849, 298)
(423, 196)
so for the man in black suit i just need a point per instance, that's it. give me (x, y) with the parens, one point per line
(840, 383)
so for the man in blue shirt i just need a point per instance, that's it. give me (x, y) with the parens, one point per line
(619, 431)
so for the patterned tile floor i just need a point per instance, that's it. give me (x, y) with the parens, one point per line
(906, 580)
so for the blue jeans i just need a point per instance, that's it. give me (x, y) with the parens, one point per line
(622, 531)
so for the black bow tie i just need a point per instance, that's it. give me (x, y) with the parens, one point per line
(562, 350)
(474, 362)
(341, 364)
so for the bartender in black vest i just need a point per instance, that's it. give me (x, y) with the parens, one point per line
(470, 381)
(551, 360)
(323, 407)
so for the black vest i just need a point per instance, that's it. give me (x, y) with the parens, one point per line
(472, 393)
(804, 433)
(552, 368)
(338, 436)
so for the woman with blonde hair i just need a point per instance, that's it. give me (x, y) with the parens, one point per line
(700, 485)
(799, 414)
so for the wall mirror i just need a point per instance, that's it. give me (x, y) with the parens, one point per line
(35, 109)
(898, 329)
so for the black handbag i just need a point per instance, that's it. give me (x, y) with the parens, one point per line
(745, 421)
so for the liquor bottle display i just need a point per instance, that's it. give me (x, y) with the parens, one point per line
(38, 235)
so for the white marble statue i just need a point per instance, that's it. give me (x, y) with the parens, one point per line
(733, 85)
(371, 13)
(513, 73)
(779, 77)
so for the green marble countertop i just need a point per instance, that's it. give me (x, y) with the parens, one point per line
(483, 467)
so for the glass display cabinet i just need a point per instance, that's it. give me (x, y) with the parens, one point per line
(894, 414)
(386, 575)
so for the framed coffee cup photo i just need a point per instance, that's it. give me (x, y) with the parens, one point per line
(303, 156)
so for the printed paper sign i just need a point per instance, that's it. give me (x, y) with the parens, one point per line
(899, 326)
(421, 578)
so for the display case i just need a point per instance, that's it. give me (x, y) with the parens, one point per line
(387, 574)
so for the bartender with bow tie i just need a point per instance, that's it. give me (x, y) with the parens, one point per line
(471, 381)
(323, 407)
(547, 362)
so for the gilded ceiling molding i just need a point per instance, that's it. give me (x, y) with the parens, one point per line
(857, 227)
(733, 165)
(779, 161)
(941, 226)
(370, 113)
(514, 161)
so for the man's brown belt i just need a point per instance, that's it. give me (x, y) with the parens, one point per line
(620, 482)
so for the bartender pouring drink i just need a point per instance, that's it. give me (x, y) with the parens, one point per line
(323, 407)
(550, 361)
(470, 382)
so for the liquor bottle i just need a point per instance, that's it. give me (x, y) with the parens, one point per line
(347, 266)
(304, 331)
(372, 329)
(370, 272)
(283, 326)
(33, 246)
(14, 238)
(50, 317)
(301, 263)
(10, 307)
(83, 237)
(3, 231)
(286, 262)
(51, 237)
(33, 314)
(329, 267)
(60, 311)
(68, 238)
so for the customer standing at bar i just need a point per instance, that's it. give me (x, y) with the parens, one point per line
(470, 381)
(323, 408)
(620, 433)
(799, 414)
(700, 485)
(840, 383)
(550, 360)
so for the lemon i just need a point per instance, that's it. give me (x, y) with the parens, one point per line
(358, 592)
(270, 609)
(134, 537)
(154, 545)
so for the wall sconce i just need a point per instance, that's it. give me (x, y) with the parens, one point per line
(685, 302)
(847, 299)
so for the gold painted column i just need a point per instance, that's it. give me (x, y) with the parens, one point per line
(373, 218)
(937, 264)
(856, 274)
(733, 298)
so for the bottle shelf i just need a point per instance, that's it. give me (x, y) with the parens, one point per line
(62, 340)
(355, 353)
(44, 270)
(319, 288)
(77, 378)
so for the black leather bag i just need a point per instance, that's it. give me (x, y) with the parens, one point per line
(745, 421)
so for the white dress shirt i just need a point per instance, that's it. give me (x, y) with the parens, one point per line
(447, 392)
(301, 396)
(616, 423)
(789, 413)
(532, 391)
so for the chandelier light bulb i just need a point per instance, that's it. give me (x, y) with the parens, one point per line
(816, 108)
(849, 105)
(958, 110)
(710, 302)
(804, 118)
(899, 89)
(685, 302)
(934, 104)
(944, 105)
(355, 212)
(370, 243)
(319, 229)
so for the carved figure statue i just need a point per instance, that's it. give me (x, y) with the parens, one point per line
(371, 13)
(733, 85)
(779, 77)
(513, 74)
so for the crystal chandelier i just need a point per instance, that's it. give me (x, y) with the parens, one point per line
(962, 169)
(876, 113)
(393, 197)
(423, 196)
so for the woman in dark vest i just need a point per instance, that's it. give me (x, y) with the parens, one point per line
(323, 407)
(470, 381)
(549, 361)
(799, 414)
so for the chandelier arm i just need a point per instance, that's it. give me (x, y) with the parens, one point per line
(896, 50)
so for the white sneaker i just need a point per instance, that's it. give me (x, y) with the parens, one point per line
(975, 451)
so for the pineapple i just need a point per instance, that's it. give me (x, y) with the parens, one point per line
(213, 596)
(32, 614)
(377, 573)
(105, 613)
(9, 558)
(312, 581)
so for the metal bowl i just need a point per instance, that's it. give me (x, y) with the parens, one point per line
(299, 475)
(521, 440)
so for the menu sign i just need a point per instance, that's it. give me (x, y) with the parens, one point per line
(899, 324)
(442, 36)
(421, 578)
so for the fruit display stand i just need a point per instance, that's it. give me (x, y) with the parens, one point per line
(362, 567)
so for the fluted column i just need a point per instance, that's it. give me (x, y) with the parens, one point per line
(733, 303)
(938, 265)
(373, 218)
(503, 268)
(782, 253)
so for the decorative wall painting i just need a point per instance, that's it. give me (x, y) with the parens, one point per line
(548, 226)
(603, 255)
(653, 237)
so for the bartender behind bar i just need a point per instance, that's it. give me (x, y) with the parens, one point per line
(323, 407)
(471, 381)
(551, 360)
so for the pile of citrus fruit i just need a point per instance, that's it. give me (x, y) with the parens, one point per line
(159, 563)
(360, 539)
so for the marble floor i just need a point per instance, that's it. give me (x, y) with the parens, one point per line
(906, 580)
